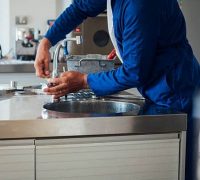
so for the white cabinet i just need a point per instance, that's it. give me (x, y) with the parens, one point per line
(138, 157)
(17, 160)
(142, 157)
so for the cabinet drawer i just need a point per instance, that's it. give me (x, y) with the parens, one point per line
(113, 159)
(17, 160)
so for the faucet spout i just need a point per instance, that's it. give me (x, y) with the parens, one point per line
(78, 39)
(63, 44)
(55, 72)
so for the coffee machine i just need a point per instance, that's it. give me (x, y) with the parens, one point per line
(96, 39)
(26, 44)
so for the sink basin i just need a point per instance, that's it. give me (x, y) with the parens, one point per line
(93, 107)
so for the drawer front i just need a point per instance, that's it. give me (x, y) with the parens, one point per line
(112, 160)
(17, 160)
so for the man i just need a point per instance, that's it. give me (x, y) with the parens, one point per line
(150, 40)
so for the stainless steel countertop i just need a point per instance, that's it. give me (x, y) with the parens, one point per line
(24, 117)
(18, 66)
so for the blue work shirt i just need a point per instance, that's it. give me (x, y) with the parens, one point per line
(151, 37)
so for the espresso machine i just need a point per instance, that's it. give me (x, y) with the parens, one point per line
(96, 40)
(26, 44)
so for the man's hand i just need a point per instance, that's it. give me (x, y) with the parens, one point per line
(68, 82)
(42, 59)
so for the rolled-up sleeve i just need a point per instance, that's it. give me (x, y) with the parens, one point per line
(140, 29)
(72, 17)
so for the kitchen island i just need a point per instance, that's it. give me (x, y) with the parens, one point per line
(41, 144)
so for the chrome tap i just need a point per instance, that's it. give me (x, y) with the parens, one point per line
(63, 44)
(78, 39)
(55, 72)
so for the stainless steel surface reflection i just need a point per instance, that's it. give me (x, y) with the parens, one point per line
(93, 107)
(24, 117)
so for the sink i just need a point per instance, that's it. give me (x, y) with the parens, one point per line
(97, 107)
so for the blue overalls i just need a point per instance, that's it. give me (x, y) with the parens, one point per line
(151, 38)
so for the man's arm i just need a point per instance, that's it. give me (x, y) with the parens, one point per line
(66, 22)
(139, 41)
(73, 16)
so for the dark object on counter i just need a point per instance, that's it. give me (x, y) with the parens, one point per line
(1, 55)
(6, 94)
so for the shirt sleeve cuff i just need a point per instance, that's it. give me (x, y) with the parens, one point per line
(51, 39)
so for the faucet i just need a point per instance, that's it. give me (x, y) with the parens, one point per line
(63, 44)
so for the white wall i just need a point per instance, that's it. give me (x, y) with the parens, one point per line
(4, 25)
(62, 5)
(191, 10)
